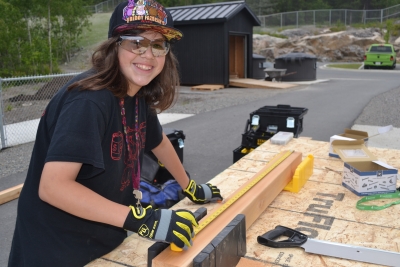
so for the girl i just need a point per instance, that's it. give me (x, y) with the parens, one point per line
(82, 190)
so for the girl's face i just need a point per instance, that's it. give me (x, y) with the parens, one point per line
(140, 70)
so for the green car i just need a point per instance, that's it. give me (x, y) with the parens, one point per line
(380, 55)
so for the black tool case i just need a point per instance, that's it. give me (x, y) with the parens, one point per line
(274, 119)
(177, 138)
(270, 120)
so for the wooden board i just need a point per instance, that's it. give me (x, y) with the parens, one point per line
(208, 87)
(10, 194)
(253, 83)
(252, 204)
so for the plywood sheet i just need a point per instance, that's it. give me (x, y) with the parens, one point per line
(253, 83)
(340, 231)
(325, 210)
(323, 207)
(132, 252)
(317, 148)
(245, 262)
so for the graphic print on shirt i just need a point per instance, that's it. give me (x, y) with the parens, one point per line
(131, 157)
(117, 143)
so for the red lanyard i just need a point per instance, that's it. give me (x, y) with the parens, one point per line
(135, 178)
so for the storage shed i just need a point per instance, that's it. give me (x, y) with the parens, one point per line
(217, 42)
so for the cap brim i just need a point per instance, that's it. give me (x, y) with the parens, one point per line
(171, 34)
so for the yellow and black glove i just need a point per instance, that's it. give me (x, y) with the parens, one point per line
(162, 225)
(203, 193)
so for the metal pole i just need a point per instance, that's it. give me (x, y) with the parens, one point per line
(2, 134)
(297, 19)
(365, 16)
(281, 20)
(345, 17)
(330, 17)
(314, 16)
(381, 16)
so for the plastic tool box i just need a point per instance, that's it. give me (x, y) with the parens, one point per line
(176, 137)
(280, 118)
(241, 151)
(254, 139)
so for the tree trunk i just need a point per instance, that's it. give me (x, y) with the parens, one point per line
(49, 34)
(29, 30)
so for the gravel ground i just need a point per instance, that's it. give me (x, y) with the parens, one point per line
(381, 109)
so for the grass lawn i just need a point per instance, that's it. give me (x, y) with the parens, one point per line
(353, 66)
(97, 31)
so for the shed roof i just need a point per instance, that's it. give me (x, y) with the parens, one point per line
(210, 13)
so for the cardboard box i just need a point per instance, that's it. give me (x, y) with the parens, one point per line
(363, 173)
(348, 134)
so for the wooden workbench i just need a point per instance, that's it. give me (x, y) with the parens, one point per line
(323, 209)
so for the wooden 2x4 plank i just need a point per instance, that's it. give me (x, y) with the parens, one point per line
(253, 83)
(10, 193)
(210, 87)
(251, 204)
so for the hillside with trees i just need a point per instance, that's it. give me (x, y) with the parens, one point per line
(37, 35)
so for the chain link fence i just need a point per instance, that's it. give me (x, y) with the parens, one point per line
(22, 102)
(328, 17)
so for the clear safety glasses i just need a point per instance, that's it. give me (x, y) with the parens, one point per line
(138, 45)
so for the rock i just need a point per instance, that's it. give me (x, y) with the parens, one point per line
(349, 45)
(295, 33)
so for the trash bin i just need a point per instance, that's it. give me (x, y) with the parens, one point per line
(299, 66)
(259, 64)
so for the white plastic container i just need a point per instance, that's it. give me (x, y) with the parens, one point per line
(281, 138)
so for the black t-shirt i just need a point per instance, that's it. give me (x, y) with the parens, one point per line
(85, 127)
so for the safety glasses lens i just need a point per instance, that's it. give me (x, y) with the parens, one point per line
(138, 45)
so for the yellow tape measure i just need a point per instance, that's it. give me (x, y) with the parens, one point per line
(232, 200)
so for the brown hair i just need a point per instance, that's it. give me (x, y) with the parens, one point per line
(159, 93)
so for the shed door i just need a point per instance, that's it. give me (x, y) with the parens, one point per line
(237, 61)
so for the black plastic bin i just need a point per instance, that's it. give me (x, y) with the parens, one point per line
(280, 118)
(259, 64)
(299, 66)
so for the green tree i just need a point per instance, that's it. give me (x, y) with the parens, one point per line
(261, 7)
(11, 39)
(36, 34)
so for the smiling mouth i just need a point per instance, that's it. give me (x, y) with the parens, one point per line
(143, 67)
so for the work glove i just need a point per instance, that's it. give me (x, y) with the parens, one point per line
(203, 193)
(162, 225)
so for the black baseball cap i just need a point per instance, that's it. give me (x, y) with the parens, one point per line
(147, 15)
